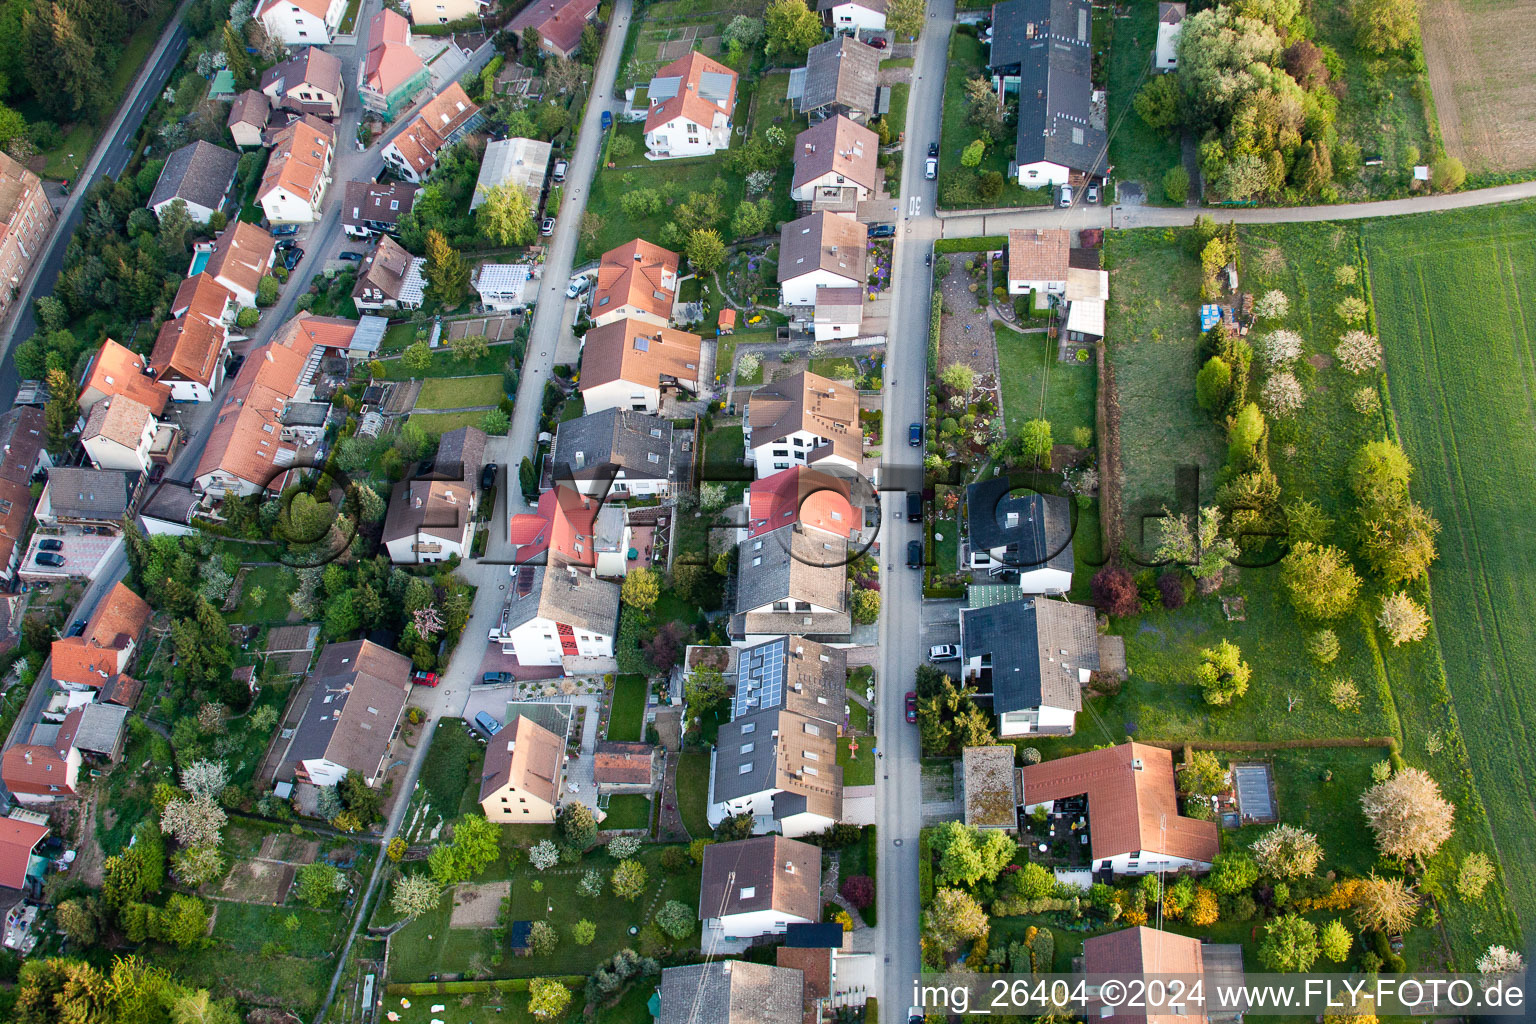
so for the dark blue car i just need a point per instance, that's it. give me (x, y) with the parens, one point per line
(915, 435)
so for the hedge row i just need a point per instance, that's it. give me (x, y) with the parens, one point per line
(455, 988)
(981, 243)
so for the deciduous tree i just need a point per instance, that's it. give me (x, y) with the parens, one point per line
(629, 879)
(1387, 904)
(1222, 673)
(1286, 852)
(505, 216)
(414, 895)
(954, 918)
(791, 28)
(1289, 944)
(1319, 580)
(547, 998)
(1408, 815)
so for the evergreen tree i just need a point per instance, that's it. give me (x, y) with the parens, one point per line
(235, 58)
(446, 272)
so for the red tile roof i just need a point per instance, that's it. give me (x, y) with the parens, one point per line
(559, 21)
(638, 274)
(688, 103)
(91, 659)
(17, 839)
(35, 768)
(804, 496)
(117, 370)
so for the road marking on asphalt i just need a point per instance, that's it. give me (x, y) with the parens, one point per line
(915, 206)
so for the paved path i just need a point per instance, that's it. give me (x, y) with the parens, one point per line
(970, 223)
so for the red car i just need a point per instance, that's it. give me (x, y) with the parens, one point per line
(911, 706)
(424, 678)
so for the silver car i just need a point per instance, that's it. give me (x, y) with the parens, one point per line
(943, 652)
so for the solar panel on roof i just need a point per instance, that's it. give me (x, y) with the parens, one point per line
(761, 677)
(714, 86)
(664, 88)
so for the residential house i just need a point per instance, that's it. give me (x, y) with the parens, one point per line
(118, 434)
(521, 163)
(1042, 51)
(239, 258)
(304, 423)
(190, 349)
(1134, 825)
(298, 171)
(358, 692)
(38, 774)
(841, 76)
(559, 23)
(389, 278)
(391, 74)
(851, 17)
(117, 370)
(21, 870)
(307, 83)
(791, 673)
(97, 730)
(637, 280)
(991, 787)
(441, 12)
(559, 615)
(821, 250)
(97, 498)
(22, 455)
(779, 767)
(808, 497)
(248, 113)
(503, 286)
(730, 992)
(446, 119)
(1020, 531)
(97, 657)
(431, 517)
(803, 419)
(1201, 965)
(1032, 658)
(792, 580)
(523, 776)
(199, 174)
(691, 103)
(614, 453)
(169, 510)
(369, 208)
(301, 22)
(835, 166)
(1038, 261)
(622, 768)
(26, 224)
(1170, 22)
(574, 529)
(759, 886)
(245, 453)
(630, 364)
(1087, 294)
(839, 313)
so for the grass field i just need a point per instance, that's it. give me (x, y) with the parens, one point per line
(693, 792)
(1136, 151)
(442, 422)
(1456, 297)
(858, 767)
(277, 582)
(628, 721)
(1036, 384)
(1154, 352)
(628, 810)
(460, 392)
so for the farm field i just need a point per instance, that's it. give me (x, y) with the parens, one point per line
(1456, 297)
(1154, 352)
(1485, 92)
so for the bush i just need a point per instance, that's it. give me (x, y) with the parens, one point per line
(1170, 585)
(1176, 184)
(247, 317)
(1114, 592)
(858, 890)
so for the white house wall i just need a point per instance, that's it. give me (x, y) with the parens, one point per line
(801, 290)
(621, 394)
(1043, 172)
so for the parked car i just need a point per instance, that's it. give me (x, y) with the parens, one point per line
(931, 168)
(287, 243)
(49, 558)
(914, 507)
(914, 554)
(158, 473)
(933, 149)
(912, 717)
(578, 284)
(351, 255)
(548, 227)
(928, 258)
(283, 230)
(493, 678)
(488, 476)
(50, 544)
(291, 257)
(879, 42)
(607, 119)
(77, 628)
(486, 725)
(424, 678)
(1066, 196)
(234, 366)
(882, 231)
(915, 435)
(943, 652)
(560, 168)
(1093, 193)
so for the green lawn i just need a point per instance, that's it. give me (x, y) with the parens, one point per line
(946, 551)
(628, 721)
(723, 450)
(900, 93)
(442, 422)
(460, 392)
(446, 364)
(1137, 152)
(248, 926)
(1456, 301)
(349, 18)
(858, 768)
(1036, 384)
(629, 810)
(858, 718)
(693, 792)
(278, 583)
(452, 764)
(429, 946)
(398, 337)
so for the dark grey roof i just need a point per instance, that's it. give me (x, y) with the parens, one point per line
(366, 202)
(731, 992)
(305, 414)
(814, 935)
(171, 502)
(198, 173)
(1049, 44)
(794, 564)
(841, 72)
(746, 742)
(76, 493)
(101, 725)
(595, 446)
(1024, 641)
(460, 454)
(1036, 529)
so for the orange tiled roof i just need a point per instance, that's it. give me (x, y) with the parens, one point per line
(801, 495)
(33, 768)
(638, 352)
(241, 256)
(117, 370)
(424, 136)
(687, 102)
(633, 275)
(299, 155)
(304, 332)
(17, 839)
(91, 659)
(390, 61)
(246, 438)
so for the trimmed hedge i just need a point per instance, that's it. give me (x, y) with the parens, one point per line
(981, 243)
(924, 869)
